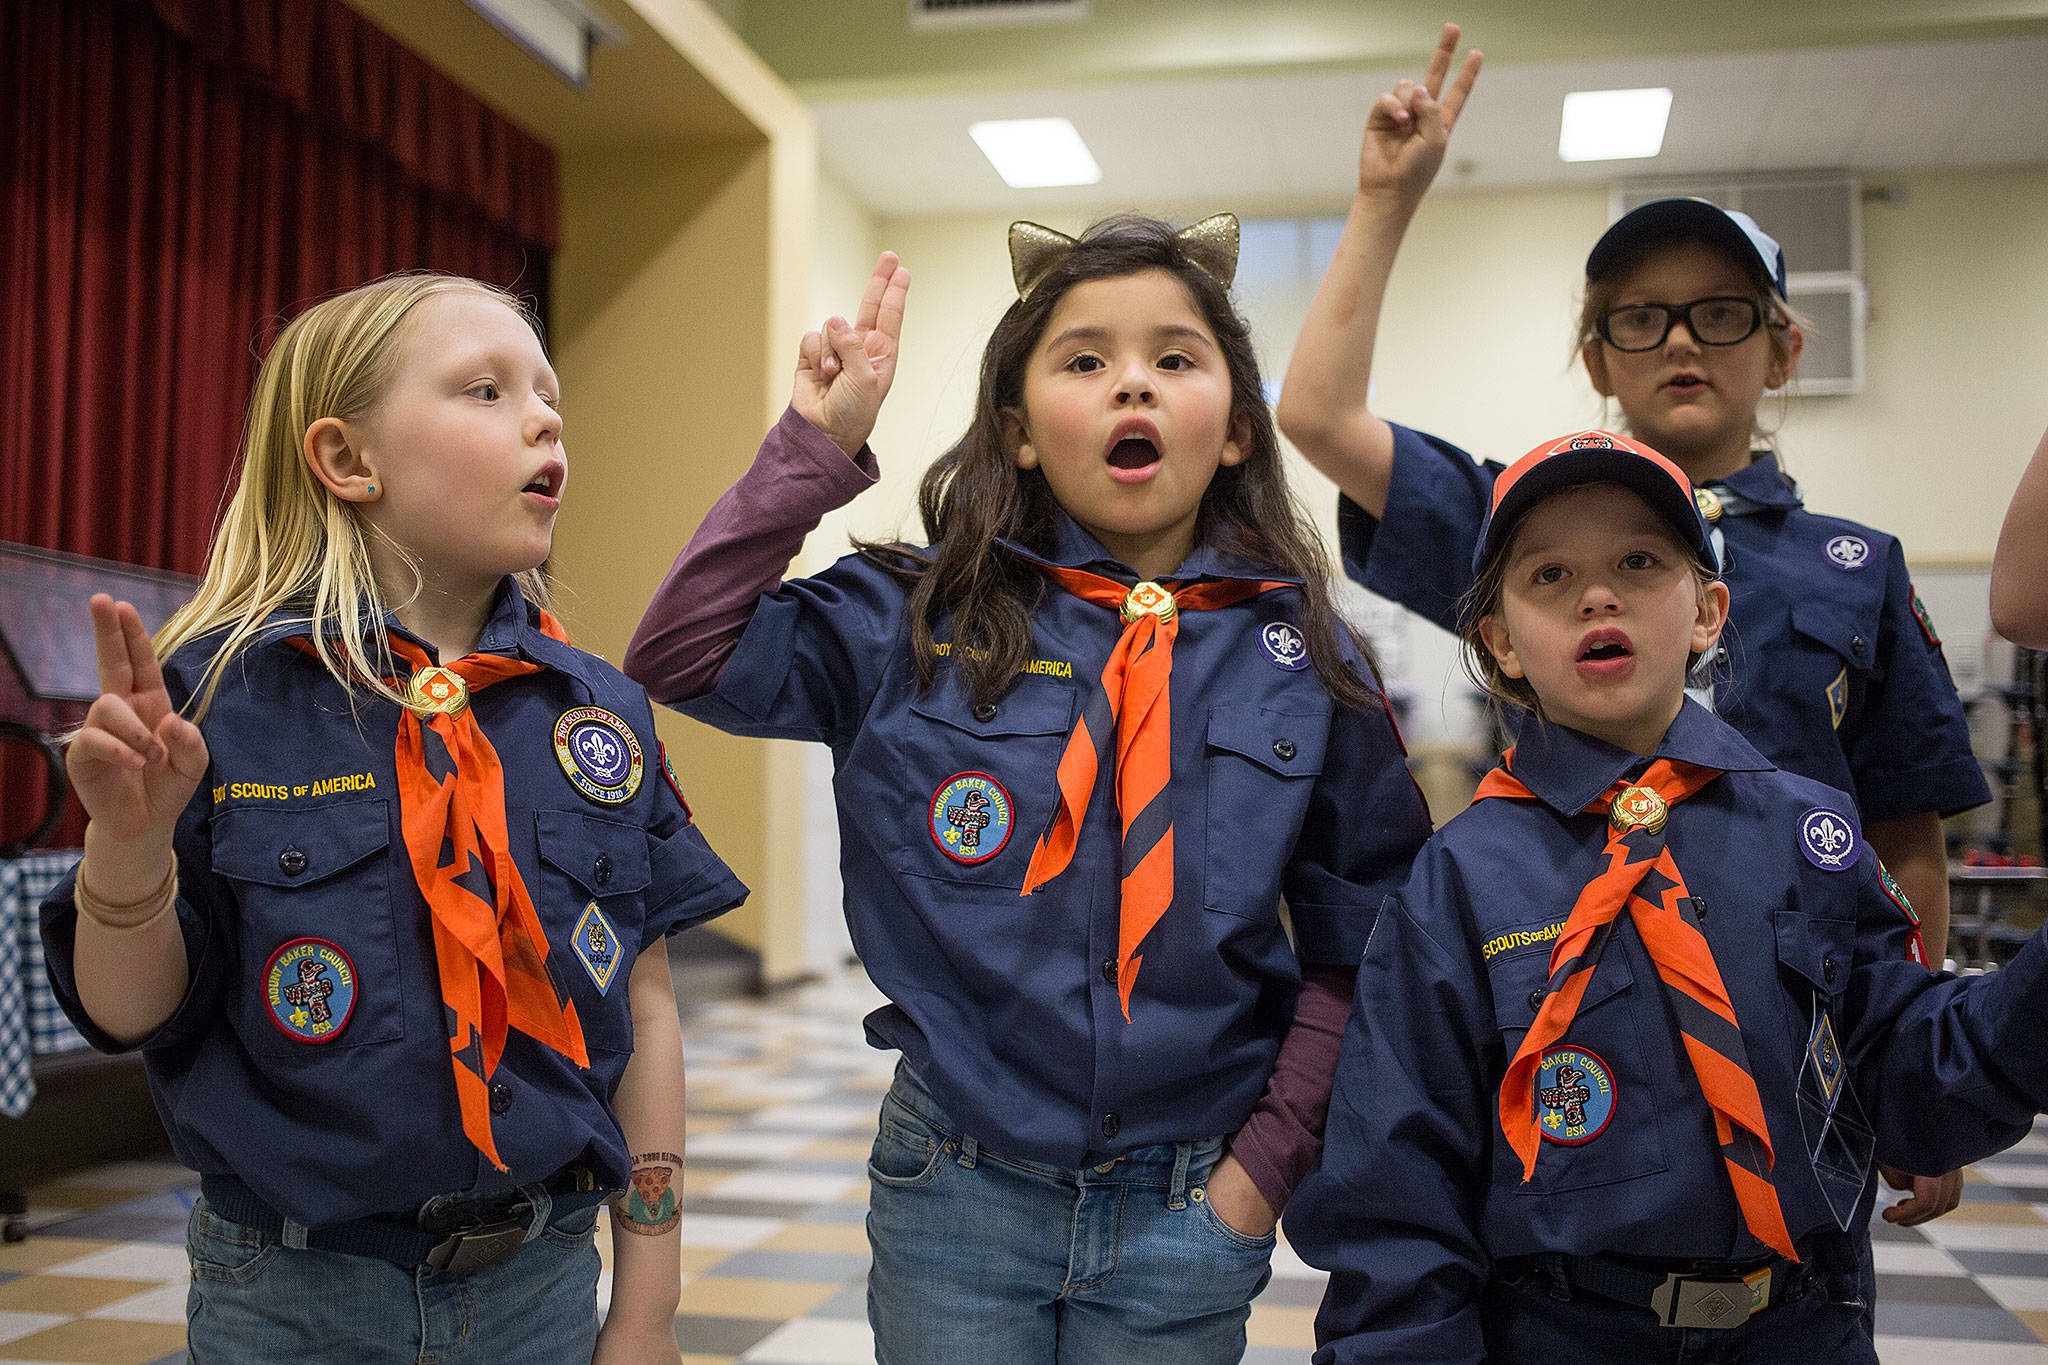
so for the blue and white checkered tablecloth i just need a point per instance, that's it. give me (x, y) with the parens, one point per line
(31, 1021)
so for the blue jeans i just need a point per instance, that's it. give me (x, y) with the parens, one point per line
(255, 1301)
(1529, 1321)
(984, 1259)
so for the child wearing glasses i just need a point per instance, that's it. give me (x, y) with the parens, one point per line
(1830, 665)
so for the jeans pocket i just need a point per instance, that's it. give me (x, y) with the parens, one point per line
(574, 1232)
(221, 1250)
(908, 1148)
(1262, 1246)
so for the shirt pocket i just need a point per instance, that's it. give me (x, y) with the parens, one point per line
(318, 945)
(1619, 1098)
(983, 779)
(1833, 650)
(1263, 763)
(592, 901)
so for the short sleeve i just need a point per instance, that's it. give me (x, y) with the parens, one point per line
(1908, 745)
(1366, 818)
(813, 657)
(1420, 553)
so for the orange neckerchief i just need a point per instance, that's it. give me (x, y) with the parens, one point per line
(1137, 705)
(489, 948)
(1641, 877)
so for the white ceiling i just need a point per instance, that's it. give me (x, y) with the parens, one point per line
(1275, 138)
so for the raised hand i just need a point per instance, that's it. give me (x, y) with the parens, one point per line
(844, 371)
(1409, 126)
(136, 762)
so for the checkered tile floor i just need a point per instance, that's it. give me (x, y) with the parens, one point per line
(783, 1097)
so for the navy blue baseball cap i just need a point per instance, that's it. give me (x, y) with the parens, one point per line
(1594, 457)
(1664, 220)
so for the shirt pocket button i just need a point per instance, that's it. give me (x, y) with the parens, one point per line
(291, 862)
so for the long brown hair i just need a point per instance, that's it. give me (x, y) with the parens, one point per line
(975, 493)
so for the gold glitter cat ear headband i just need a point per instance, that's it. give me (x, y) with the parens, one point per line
(1211, 244)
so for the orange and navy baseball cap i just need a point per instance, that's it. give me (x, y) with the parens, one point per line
(1593, 457)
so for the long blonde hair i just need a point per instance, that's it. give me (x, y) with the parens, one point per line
(286, 541)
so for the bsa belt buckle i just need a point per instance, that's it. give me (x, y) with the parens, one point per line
(1711, 1301)
(474, 1248)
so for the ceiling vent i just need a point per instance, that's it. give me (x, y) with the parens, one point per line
(942, 14)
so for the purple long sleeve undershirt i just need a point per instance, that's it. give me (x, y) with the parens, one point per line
(695, 622)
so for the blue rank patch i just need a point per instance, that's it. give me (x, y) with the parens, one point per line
(1827, 839)
(971, 817)
(1838, 697)
(1825, 1056)
(1284, 645)
(1848, 552)
(1574, 1096)
(599, 754)
(596, 945)
(310, 988)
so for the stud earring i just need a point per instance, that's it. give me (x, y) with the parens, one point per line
(373, 488)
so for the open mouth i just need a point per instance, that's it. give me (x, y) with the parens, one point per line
(1604, 646)
(1133, 452)
(547, 483)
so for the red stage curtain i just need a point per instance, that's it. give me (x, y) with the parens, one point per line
(177, 177)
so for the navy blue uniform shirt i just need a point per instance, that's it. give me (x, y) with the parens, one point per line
(1007, 1005)
(1418, 1192)
(333, 1097)
(1831, 670)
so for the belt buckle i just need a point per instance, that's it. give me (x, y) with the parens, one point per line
(474, 1248)
(1711, 1301)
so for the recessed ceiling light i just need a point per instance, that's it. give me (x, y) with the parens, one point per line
(1033, 153)
(1611, 125)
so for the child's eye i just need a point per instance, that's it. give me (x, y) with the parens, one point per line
(1085, 364)
(1639, 559)
(1174, 360)
(487, 391)
(1550, 573)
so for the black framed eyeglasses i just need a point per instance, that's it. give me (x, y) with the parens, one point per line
(1712, 322)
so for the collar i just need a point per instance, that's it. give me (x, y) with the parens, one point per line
(1074, 548)
(512, 628)
(1757, 485)
(1567, 769)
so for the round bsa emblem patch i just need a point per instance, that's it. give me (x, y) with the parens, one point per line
(1574, 1096)
(971, 817)
(599, 753)
(1284, 645)
(310, 987)
(1848, 552)
(1827, 839)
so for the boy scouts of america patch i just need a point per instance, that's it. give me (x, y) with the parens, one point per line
(596, 945)
(1926, 622)
(599, 753)
(1838, 697)
(668, 771)
(310, 987)
(1574, 1096)
(1284, 645)
(970, 817)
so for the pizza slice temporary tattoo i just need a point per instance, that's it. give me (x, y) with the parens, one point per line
(649, 1207)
